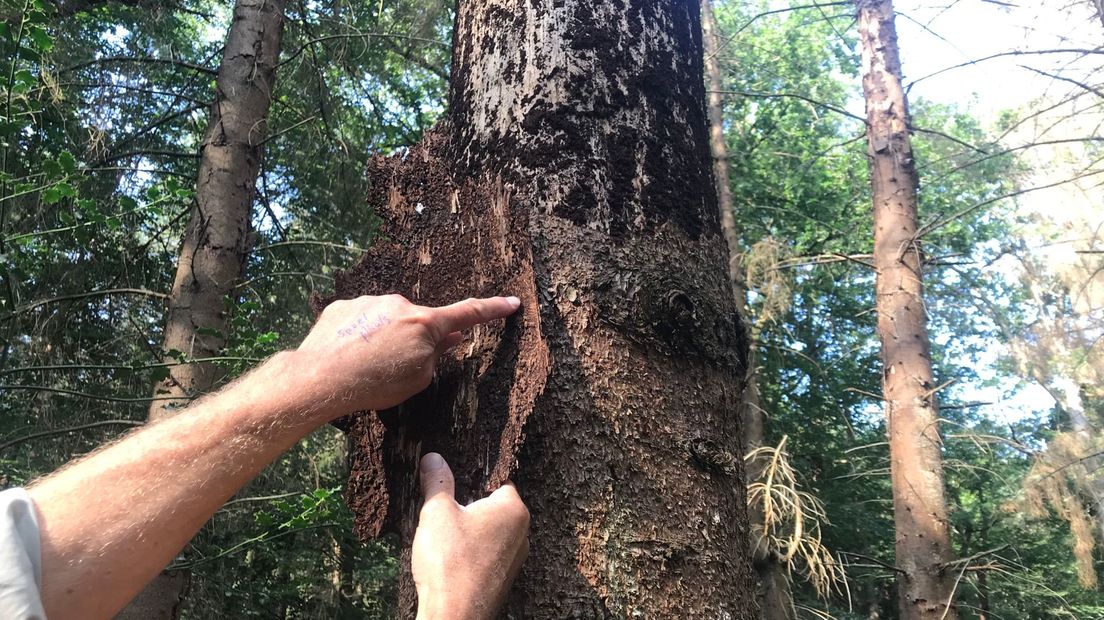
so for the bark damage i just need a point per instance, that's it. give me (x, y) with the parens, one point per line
(923, 548)
(573, 171)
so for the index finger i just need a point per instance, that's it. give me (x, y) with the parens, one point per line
(471, 312)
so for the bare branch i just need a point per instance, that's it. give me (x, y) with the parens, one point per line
(69, 429)
(140, 59)
(1005, 55)
(111, 291)
(359, 35)
(79, 394)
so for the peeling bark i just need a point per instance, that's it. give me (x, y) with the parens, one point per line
(216, 240)
(775, 597)
(572, 171)
(923, 544)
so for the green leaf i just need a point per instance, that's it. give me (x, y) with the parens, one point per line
(66, 189)
(29, 54)
(22, 81)
(51, 168)
(51, 195)
(67, 162)
(128, 203)
(153, 192)
(209, 331)
(41, 39)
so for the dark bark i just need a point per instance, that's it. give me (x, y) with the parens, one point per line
(775, 596)
(923, 545)
(573, 171)
(216, 240)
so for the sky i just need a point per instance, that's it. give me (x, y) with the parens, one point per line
(935, 36)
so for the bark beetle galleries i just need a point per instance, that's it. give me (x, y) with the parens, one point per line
(573, 171)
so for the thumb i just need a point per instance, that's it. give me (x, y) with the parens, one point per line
(437, 480)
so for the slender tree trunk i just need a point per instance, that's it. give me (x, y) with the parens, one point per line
(216, 240)
(916, 466)
(775, 598)
(573, 171)
(984, 611)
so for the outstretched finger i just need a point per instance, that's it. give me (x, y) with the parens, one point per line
(471, 312)
(437, 480)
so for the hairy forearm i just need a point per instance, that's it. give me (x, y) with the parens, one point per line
(111, 521)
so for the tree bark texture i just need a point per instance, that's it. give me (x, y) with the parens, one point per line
(916, 465)
(572, 171)
(216, 241)
(775, 597)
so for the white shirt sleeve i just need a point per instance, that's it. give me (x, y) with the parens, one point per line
(20, 558)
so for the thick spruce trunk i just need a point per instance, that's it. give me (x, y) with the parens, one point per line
(216, 240)
(923, 545)
(573, 171)
(775, 597)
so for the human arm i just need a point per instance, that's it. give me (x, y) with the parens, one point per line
(111, 521)
(465, 557)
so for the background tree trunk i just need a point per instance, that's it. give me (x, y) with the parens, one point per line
(775, 597)
(573, 171)
(217, 237)
(923, 544)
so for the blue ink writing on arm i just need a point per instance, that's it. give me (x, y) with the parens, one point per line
(364, 326)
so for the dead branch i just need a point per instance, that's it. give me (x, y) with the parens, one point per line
(69, 429)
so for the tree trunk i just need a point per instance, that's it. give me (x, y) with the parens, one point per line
(984, 611)
(775, 597)
(573, 171)
(916, 467)
(216, 240)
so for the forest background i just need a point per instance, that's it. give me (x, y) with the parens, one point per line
(106, 103)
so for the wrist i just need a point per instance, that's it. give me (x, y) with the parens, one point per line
(289, 388)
